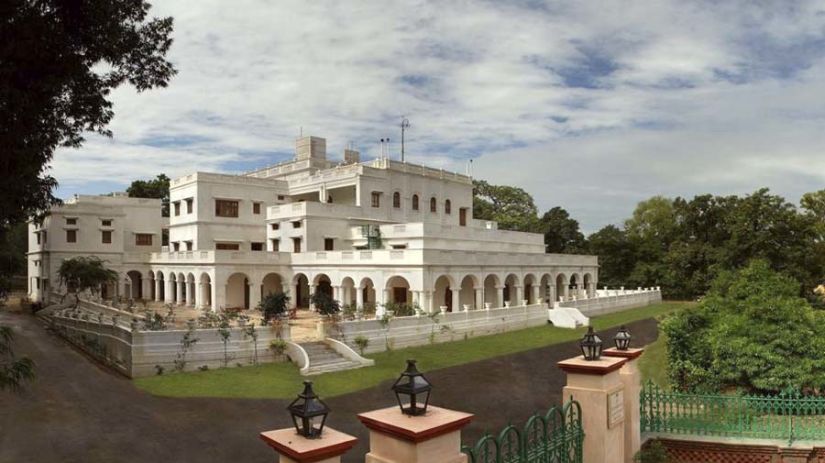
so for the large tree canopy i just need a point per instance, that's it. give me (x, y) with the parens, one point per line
(513, 208)
(155, 188)
(752, 331)
(561, 232)
(59, 62)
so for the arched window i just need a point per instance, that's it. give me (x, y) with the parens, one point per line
(396, 200)
(415, 202)
(433, 205)
(447, 206)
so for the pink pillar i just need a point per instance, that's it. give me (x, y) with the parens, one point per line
(294, 448)
(632, 380)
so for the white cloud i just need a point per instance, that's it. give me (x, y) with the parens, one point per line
(602, 103)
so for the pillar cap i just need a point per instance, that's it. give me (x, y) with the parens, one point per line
(287, 442)
(437, 422)
(599, 367)
(630, 354)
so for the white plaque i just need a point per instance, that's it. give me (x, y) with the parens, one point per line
(615, 408)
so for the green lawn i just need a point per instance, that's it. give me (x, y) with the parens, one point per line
(653, 364)
(282, 380)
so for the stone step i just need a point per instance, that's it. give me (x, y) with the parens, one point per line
(331, 367)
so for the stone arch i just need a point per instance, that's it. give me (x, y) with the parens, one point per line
(160, 283)
(172, 287)
(415, 205)
(491, 284)
(272, 283)
(589, 288)
(433, 204)
(367, 289)
(448, 207)
(348, 295)
(573, 284)
(545, 290)
(467, 291)
(530, 286)
(301, 293)
(561, 286)
(193, 297)
(135, 289)
(443, 296)
(396, 200)
(511, 284)
(151, 296)
(237, 291)
(180, 289)
(398, 290)
(322, 284)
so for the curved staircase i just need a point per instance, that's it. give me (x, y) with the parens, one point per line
(323, 359)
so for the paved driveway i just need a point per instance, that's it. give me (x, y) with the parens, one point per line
(78, 412)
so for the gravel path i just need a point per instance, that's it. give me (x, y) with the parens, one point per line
(79, 412)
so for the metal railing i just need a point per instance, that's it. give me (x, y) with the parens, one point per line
(555, 437)
(788, 416)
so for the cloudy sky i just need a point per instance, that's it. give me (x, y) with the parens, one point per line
(592, 106)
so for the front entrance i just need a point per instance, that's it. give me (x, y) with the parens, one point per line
(399, 295)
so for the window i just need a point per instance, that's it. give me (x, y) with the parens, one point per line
(276, 245)
(329, 199)
(257, 246)
(228, 246)
(396, 200)
(329, 244)
(176, 246)
(106, 223)
(462, 216)
(376, 199)
(296, 224)
(225, 208)
(188, 245)
(447, 207)
(37, 235)
(433, 205)
(45, 236)
(71, 236)
(71, 221)
(275, 226)
(177, 207)
(296, 245)
(256, 208)
(189, 204)
(106, 237)
(399, 246)
(164, 237)
(143, 239)
(415, 202)
(281, 197)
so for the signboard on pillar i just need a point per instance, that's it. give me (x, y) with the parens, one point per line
(615, 407)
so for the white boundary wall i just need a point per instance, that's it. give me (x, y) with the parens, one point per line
(136, 353)
(609, 301)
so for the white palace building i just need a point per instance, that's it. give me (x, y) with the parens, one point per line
(369, 232)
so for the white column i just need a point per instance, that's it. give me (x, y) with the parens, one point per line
(312, 290)
(254, 295)
(169, 293)
(218, 291)
(201, 301)
(566, 294)
(479, 300)
(158, 289)
(536, 294)
(552, 294)
(518, 293)
(386, 295)
(146, 290)
(181, 293)
(499, 296)
(359, 298)
(336, 294)
(190, 294)
(456, 293)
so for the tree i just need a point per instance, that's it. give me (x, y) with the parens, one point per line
(14, 372)
(13, 245)
(155, 188)
(273, 305)
(513, 208)
(561, 233)
(61, 61)
(616, 255)
(753, 331)
(80, 274)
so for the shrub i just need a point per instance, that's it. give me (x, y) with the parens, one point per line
(362, 343)
(278, 347)
(273, 306)
(653, 452)
(324, 303)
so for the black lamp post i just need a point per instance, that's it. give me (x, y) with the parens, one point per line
(622, 338)
(591, 345)
(412, 384)
(309, 413)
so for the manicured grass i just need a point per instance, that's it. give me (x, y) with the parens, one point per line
(653, 364)
(279, 380)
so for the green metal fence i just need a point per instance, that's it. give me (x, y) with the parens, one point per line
(788, 416)
(555, 437)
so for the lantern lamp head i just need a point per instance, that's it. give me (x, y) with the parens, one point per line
(622, 339)
(309, 413)
(414, 387)
(591, 345)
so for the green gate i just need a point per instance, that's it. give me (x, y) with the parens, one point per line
(555, 437)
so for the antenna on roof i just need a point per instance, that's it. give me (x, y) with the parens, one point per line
(405, 124)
